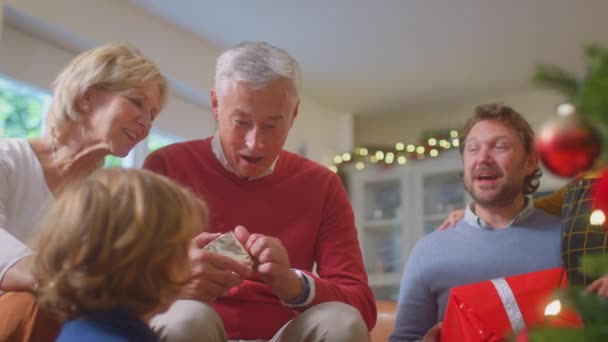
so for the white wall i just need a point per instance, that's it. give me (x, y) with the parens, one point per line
(1, 16)
(537, 106)
(323, 132)
(44, 35)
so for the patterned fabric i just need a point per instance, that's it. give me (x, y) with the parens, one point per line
(579, 237)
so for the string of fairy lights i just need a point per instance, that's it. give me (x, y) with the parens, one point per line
(399, 155)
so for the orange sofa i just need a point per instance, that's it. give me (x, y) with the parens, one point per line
(386, 321)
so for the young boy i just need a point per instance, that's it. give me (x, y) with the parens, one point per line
(113, 252)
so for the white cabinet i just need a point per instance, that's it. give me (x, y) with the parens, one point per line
(396, 205)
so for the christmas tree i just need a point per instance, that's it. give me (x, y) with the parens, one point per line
(589, 95)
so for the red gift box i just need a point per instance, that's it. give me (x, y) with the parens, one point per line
(492, 310)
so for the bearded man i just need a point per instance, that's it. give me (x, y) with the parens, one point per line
(502, 234)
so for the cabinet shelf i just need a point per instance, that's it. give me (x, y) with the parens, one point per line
(380, 224)
(384, 279)
(436, 217)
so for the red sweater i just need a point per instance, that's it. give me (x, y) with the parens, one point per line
(301, 203)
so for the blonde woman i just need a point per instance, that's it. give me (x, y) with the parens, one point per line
(104, 103)
(113, 252)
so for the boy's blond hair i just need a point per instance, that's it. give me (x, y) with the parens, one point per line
(118, 238)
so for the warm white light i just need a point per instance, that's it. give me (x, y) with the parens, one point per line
(399, 146)
(597, 217)
(420, 149)
(432, 141)
(565, 109)
(379, 155)
(454, 134)
(411, 148)
(337, 159)
(553, 308)
(388, 160)
(401, 160)
(373, 159)
(359, 166)
(346, 156)
(390, 155)
(433, 153)
(363, 151)
(455, 142)
(333, 169)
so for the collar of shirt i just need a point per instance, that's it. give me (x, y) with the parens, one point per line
(218, 152)
(474, 220)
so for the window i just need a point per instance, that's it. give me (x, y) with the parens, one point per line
(22, 109)
(156, 139)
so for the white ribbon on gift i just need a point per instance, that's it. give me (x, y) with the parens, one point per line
(510, 303)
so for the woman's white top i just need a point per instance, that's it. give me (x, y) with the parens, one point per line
(24, 199)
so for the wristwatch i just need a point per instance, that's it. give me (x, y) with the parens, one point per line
(301, 299)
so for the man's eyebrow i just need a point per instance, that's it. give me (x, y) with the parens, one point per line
(239, 112)
(277, 117)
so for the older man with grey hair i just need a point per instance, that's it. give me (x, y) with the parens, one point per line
(288, 213)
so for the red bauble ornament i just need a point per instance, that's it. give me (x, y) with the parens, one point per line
(568, 145)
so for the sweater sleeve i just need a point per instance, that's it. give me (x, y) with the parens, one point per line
(417, 306)
(552, 203)
(341, 274)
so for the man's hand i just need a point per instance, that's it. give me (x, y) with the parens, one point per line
(434, 334)
(213, 275)
(600, 286)
(271, 262)
(452, 219)
(19, 277)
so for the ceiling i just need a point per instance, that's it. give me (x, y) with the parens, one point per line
(391, 56)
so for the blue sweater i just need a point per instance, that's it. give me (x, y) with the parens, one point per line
(115, 325)
(468, 254)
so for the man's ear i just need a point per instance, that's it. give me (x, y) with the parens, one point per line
(532, 162)
(295, 113)
(214, 103)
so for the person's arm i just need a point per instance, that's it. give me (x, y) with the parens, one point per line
(452, 219)
(213, 275)
(17, 276)
(341, 274)
(599, 286)
(417, 307)
(14, 273)
(552, 203)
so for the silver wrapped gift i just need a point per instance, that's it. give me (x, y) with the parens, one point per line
(228, 245)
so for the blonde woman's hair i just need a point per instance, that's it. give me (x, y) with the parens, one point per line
(118, 238)
(111, 67)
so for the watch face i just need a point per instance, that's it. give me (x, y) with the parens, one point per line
(228, 245)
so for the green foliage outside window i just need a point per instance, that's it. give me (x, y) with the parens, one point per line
(154, 141)
(21, 110)
(157, 140)
(112, 161)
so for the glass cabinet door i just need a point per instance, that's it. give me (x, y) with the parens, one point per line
(381, 236)
(442, 194)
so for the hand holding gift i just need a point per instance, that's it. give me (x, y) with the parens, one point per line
(213, 272)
